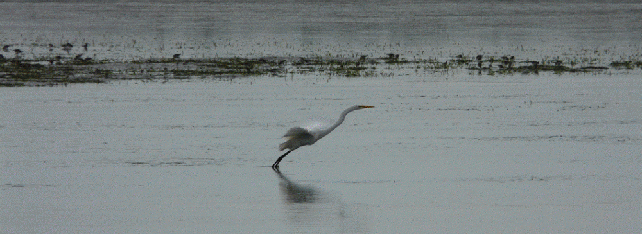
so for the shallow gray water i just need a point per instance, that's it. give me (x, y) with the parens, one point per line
(439, 153)
(125, 30)
(449, 152)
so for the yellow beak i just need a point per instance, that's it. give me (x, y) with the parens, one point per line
(366, 106)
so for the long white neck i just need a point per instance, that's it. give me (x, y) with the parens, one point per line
(342, 117)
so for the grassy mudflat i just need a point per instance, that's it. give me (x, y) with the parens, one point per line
(60, 71)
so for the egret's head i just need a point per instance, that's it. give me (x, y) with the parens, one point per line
(363, 107)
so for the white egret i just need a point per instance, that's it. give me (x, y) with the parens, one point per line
(297, 136)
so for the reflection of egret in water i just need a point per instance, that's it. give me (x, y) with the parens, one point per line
(295, 193)
(312, 210)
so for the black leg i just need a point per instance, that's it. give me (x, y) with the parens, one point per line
(276, 164)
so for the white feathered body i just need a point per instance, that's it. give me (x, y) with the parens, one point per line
(298, 136)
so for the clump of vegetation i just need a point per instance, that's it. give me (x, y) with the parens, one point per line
(350, 71)
(508, 65)
(630, 64)
(59, 70)
(19, 73)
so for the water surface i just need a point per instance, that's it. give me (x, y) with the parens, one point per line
(443, 153)
(138, 29)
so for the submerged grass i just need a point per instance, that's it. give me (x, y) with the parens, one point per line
(20, 73)
(626, 64)
(49, 72)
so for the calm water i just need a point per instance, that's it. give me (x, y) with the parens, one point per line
(443, 152)
(130, 29)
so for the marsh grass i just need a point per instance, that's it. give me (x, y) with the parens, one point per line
(626, 64)
(49, 72)
(19, 73)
